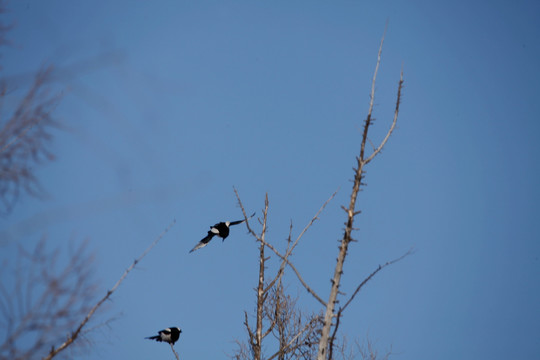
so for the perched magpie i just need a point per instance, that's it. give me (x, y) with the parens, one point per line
(169, 335)
(221, 229)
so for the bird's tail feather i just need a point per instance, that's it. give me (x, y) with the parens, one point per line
(157, 338)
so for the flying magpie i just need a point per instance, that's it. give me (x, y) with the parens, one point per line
(221, 229)
(169, 335)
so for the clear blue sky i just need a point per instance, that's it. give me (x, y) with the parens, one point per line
(193, 98)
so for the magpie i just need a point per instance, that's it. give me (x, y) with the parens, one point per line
(220, 229)
(168, 335)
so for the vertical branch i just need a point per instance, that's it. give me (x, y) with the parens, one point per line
(369, 118)
(361, 160)
(174, 352)
(260, 288)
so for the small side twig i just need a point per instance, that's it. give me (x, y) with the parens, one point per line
(394, 121)
(358, 288)
(285, 258)
(364, 282)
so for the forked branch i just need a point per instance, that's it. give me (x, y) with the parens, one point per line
(285, 258)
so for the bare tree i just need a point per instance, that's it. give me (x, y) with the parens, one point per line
(276, 313)
(43, 299)
(25, 132)
(45, 306)
(77, 330)
(314, 336)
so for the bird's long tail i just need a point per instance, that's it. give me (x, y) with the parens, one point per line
(157, 338)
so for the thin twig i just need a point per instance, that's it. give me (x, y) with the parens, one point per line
(372, 97)
(73, 336)
(379, 268)
(174, 352)
(316, 217)
(394, 121)
(245, 215)
(284, 258)
(309, 289)
(364, 282)
(293, 338)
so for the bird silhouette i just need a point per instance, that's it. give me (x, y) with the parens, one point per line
(168, 335)
(220, 229)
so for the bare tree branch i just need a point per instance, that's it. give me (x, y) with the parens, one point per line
(369, 118)
(294, 338)
(24, 140)
(304, 284)
(394, 121)
(313, 219)
(74, 335)
(294, 334)
(361, 160)
(260, 287)
(47, 298)
(174, 352)
(289, 251)
(364, 282)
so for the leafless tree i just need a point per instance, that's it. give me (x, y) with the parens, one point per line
(25, 137)
(45, 306)
(315, 336)
(76, 331)
(293, 332)
(42, 298)
(25, 132)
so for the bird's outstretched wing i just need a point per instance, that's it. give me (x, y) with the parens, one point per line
(241, 221)
(203, 242)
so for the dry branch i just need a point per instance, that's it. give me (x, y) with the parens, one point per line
(174, 352)
(47, 298)
(361, 160)
(24, 141)
(276, 313)
(75, 334)
(281, 323)
(285, 258)
(370, 276)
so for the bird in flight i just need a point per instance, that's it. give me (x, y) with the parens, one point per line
(221, 229)
(168, 335)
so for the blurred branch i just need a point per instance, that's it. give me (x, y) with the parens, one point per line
(24, 141)
(45, 299)
(74, 334)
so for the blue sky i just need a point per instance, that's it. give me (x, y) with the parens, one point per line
(177, 102)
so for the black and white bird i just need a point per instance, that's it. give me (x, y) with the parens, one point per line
(168, 335)
(220, 229)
